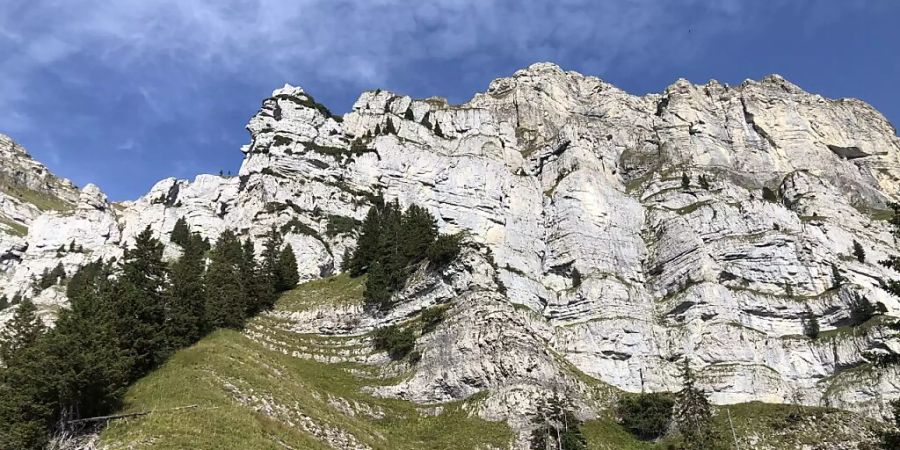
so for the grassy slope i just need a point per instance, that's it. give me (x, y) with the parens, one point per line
(277, 389)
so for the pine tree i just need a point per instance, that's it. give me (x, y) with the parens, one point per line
(704, 183)
(139, 309)
(4, 302)
(685, 181)
(22, 331)
(420, 231)
(258, 291)
(858, 252)
(367, 245)
(186, 299)
(810, 324)
(288, 275)
(693, 415)
(271, 250)
(837, 279)
(377, 130)
(377, 294)
(225, 306)
(556, 427)
(181, 233)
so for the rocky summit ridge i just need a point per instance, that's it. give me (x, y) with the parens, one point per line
(589, 252)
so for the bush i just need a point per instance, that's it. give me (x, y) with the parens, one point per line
(769, 195)
(396, 341)
(444, 249)
(647, 416)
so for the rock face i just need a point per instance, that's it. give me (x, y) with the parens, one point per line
(627, 232)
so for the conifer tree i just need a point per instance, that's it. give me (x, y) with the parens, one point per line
(22, 331)
(685, 181)
(556, 427)
(270, 253)
(224, 291)
(288, 277)
(810, 324)
(377, 130)
(181, 233)
(693, 415)
(377, 294)
(258, 290)
(4, 302)
(704, 183)
(859, 252)
(186, 307)
(139, 310)
(420, 230)
(837, 279)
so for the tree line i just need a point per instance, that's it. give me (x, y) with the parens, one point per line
(125, 318)
(392, 242)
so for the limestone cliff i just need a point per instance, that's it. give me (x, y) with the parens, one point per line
(589, 251)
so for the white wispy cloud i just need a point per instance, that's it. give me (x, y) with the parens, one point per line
(163, 51)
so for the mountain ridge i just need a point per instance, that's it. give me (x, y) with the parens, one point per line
(554, 174)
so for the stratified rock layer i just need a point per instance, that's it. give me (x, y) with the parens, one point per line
(574, 191)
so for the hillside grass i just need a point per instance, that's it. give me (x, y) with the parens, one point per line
(41, 200)
(255, 396)
(266, 389)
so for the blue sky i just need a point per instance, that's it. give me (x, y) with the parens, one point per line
(125, 93)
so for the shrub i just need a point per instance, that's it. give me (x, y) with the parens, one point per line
(396, 341)
(576, 278)
(647, 416)
(769, 195)
(685, 181)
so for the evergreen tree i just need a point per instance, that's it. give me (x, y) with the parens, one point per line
(225, 306)
(556, 427)
(288, 275)
(837, 279)
(419, 230)
(704, 183)
(259, 290)
(693, 415)
(181, 233)
(139, 309)
(4, 302)
(858, 252)
(685, 181)
(810, 324)
(84, 349)
(186, 307)
(270, 253)
(377, 293)
(22, 331)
